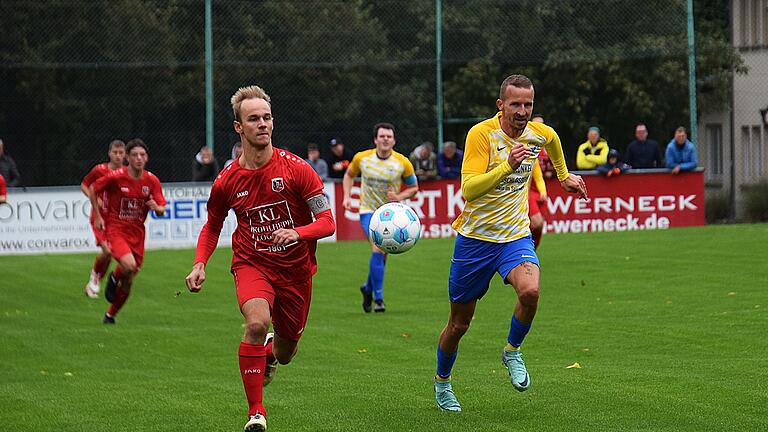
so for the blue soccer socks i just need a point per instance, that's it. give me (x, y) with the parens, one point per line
(517, 332)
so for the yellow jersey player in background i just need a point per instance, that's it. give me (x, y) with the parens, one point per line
(383, 171)
(493, 229)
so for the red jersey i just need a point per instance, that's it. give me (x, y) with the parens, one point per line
(3, 189)
(96, 173)
(264, 200)
(127, 200)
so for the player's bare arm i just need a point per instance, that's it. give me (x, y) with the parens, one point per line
(404, 194)
(574, 183)
(347, 182)
(196, 278)
(98, 221)
(158, 209)
(517, 154)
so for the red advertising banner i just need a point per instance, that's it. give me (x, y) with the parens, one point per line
(631, 201)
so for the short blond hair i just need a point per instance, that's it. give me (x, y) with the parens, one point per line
(243, 93)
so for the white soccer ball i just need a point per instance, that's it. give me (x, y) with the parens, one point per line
(395, 228)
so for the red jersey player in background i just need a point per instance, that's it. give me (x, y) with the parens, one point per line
(3, 190)
(537, 195)
(281, 213)
(131, 193)
(101, 264)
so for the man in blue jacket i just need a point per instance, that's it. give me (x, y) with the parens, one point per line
(681, 153)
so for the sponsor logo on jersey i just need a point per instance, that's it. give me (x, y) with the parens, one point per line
(277, 184)
(241, 194)
(124, 189)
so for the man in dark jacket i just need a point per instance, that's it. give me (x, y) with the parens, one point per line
(8, 168)
(643, 152)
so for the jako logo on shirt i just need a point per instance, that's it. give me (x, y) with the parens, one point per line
(251, 371)
(277, 184)
(241, 194)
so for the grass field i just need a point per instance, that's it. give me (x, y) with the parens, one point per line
(670, 329)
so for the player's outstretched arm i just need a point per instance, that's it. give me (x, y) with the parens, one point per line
(574, 183)
(196, 277)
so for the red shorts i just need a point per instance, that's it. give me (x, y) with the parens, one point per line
(289, 303)
(122, 246)
(533, 202)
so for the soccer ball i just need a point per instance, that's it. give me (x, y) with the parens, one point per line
(395, 228)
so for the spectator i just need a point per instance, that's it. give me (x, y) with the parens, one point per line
(614, 166)
(8, 168)
(593, 152)
(3, 191)
(205, 167)
(237, 150)
(317, 164)
(681, 153)
(449, 161)
(643, 152)
(424, 161)
(339, 160)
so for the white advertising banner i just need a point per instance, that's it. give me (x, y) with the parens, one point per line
(57, 220)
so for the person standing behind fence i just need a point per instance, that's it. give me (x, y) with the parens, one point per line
(449, 161)
(317, 164)
(8, 168)
(132, 192)
(593, 152)
(237, 151)
(681, 153)
(424, 161)
(116, 155)
(642, 152)
(204, 167)
(338, 160)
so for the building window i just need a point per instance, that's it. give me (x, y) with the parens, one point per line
(757, 152)
(714, 151)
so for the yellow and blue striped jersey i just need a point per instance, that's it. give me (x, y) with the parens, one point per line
(496, 208)
(379, 176)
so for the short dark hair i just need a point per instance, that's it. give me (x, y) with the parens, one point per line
(378, 126)
(116, 143)
(312, 146)
(520, 81)
(136, 142)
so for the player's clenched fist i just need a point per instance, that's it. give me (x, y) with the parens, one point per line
(196, 278)
(517, 154)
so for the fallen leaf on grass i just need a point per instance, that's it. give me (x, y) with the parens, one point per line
(574, 366)
(406, 335)
(732, 293)
(362, 351)
(68, 374)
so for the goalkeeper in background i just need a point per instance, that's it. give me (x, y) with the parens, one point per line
(493, 229)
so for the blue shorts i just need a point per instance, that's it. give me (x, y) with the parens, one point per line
(475, 261)
(365, 222)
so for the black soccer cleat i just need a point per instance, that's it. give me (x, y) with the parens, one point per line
(108, 319)
(367, 300)
(111, 290)
(378, 306)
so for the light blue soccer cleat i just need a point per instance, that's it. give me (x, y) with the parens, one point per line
(518, 375)
(445, 398)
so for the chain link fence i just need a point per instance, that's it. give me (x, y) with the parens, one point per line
(75, 75)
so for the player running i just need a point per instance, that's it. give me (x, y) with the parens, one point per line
(101, 264)
(281, 213)
(493, 233)
(382, 171)
(131, 193)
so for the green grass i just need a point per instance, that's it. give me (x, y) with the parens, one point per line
(670, 328)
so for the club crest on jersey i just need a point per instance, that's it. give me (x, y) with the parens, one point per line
(277, 184)
(145, 190)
